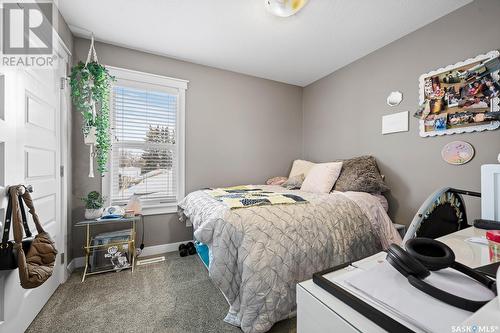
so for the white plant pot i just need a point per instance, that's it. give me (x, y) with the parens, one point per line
(91, 137)
(92, 214)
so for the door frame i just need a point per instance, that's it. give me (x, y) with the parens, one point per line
(65, 126)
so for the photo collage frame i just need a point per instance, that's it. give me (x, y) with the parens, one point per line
(460, 98)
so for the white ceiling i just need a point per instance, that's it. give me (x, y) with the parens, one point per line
(241, 36)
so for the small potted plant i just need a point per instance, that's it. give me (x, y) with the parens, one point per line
(94, 205)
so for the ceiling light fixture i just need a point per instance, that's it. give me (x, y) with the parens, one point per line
(284, 8)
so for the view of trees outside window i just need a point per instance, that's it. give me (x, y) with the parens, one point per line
(145, 148)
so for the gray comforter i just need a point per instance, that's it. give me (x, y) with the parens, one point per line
(259, 254)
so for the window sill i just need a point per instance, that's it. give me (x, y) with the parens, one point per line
(159, 210)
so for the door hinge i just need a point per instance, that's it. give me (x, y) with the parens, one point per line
(63, 83)
(61, 171)
(62, 258)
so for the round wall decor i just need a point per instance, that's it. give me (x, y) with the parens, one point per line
(394, 98)
(457, 152)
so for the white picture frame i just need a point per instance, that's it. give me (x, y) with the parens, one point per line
(495, 103)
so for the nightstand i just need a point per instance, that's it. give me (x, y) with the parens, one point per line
(90, 248)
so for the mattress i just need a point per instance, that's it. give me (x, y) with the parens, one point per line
(258, 254)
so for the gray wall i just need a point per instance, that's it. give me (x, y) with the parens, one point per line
(64, 31)
(338, 116)
(239, 130)
(60, 26)
(342, 112)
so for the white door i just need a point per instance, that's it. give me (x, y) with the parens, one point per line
(30, 154)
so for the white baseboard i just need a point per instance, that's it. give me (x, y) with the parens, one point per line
(147, 251)
(75, 263)
(162, 248)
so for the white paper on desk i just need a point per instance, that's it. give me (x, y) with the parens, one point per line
(387, 287)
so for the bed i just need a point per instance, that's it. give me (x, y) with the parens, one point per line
(258, 254)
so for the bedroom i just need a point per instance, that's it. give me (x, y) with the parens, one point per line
(234, 95)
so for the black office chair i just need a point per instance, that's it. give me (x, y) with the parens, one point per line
(441, 214)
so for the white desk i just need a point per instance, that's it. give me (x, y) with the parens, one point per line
(319, 311)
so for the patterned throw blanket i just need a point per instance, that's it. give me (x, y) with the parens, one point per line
(248, 196)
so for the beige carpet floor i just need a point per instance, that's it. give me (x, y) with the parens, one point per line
(174, 296)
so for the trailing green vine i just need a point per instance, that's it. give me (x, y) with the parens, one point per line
(92, 83)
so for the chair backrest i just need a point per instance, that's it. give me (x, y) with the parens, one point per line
(441, 214)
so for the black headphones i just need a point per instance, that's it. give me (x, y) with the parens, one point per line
(423, 255)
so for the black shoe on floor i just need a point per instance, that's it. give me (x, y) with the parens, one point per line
(191, 248)
(183, 250)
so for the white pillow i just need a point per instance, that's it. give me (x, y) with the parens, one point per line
(300, 167)
(322, 177)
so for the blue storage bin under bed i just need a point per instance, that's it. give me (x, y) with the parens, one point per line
(202, 250)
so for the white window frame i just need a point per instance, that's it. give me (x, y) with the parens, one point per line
(141, 80)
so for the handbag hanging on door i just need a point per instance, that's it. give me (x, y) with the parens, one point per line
(37, 263)
(8, 257)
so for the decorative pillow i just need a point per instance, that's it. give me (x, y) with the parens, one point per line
(300, 167)
(383, 201)
(276, 180)
(294, 182)
(361, 174)
(322, 177)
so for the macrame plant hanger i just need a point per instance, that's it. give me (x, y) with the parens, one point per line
(91, 138)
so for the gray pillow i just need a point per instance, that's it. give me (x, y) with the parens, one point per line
(360, 174)
(294, 182)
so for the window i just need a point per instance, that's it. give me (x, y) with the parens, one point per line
(147, 158)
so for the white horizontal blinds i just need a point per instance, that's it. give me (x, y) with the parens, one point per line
(144, 146)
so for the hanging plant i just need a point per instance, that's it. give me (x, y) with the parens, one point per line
(90, 88)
